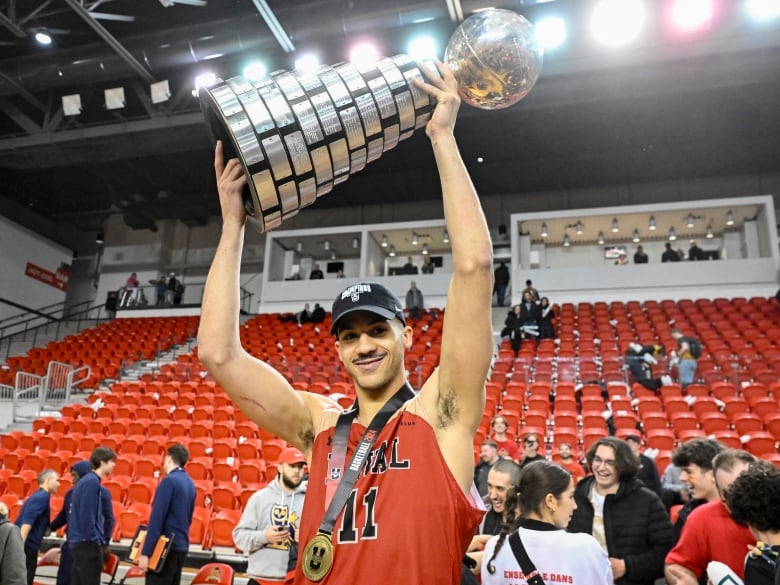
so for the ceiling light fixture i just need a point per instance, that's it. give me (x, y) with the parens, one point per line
(601, 239)
(299, 247)
(425, 249)
(333, 255)
(446, 238)
(566, 240)
(690, 221)
(651, 223)
(326, 245)
(635, 236)
(578, 227)
(160, 91)
(544, 230)
(415, 239)
(710, 233)
(672, 234)
(355, 243)
(615, 225)
(392, 250)
(730, 217)
(384, 241)
(100, 238)
(42, 37)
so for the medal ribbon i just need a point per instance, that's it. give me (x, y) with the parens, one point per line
(337, 492)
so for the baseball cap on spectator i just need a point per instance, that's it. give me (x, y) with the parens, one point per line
(366, 296)
(291, 456)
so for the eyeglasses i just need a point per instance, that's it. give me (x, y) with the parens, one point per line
(606, 462)
(531, 443)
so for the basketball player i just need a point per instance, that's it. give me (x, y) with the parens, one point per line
(403, 463)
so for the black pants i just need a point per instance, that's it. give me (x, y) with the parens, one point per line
(171, 572)
(87, 563)
(31, 558)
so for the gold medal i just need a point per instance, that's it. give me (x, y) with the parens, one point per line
(318, 557)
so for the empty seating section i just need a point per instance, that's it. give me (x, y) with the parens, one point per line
(559, 389)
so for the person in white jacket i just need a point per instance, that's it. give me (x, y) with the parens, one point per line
(538, 509)
(268, 529)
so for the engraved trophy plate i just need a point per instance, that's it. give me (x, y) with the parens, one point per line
(297, 134)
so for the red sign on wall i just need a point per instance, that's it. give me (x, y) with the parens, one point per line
(57, 279)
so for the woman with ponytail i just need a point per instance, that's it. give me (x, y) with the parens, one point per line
(533, 546)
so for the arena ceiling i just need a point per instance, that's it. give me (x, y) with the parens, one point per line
(666, 108)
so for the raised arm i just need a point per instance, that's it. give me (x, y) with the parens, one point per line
(258, 390)
(458, 387)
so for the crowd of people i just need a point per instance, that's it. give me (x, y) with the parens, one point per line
(534, 318)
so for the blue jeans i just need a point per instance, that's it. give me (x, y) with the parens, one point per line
(687, 370)
(500, 294)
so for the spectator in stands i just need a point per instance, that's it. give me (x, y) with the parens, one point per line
(546, 319)
(488, 456)
(531, 444)
(316, 273)
(340, 274)
(131, 293)
(427, 267)
(640, 359)
(501, 478)
(13, 569)
(305, 315)
(648, 472)
(65, 568)
(674, 489)
(754, 500)
(267, 531)
(694, 459)
(318, 314)
(529, 316)
(170, 289)
(710, 533)
(501, 279)
(513, 328)
(507, 447)
(688, 351)
(415, 303)
(409, 267)
(569, 463)
(627, 519)
(429, 440)
(34, 518)
(640, 256)
(694, 252)
(159, 289)
(533, 294)
(540, 507)
(171, 516)
(669, 254)
(86, 524)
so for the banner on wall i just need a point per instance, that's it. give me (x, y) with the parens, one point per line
(58, 279)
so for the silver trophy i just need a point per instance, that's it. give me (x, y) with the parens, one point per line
(299, 134)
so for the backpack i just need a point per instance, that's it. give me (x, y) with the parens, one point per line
(695, 346)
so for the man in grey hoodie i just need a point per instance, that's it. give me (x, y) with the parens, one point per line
(13, 568)
(267, 531)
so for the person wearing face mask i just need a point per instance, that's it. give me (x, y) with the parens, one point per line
(534, 537)
(628, 520)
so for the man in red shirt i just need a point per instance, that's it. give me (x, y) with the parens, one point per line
(710, 534)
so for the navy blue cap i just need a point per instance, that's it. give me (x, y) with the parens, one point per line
(367, 296)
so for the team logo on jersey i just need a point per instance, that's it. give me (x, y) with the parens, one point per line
(335, 473)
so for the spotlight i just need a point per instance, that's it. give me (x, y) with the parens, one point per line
(690, 221)
(601, 239)
(363, 55)
(763, 9)
(307, 63)
(392, 250)
(100, 238)
(691, 14)
(730, 217)
(71, 104)
(579, 228)
(446, 238)
(160, 91)
(615, 225)
(255, 71)
(672, 234)
(710, 233)
(384, 241)
(551, 32)
(651, 223)
(635, 236)
(114, 99)
(544, 230)
(204, 80)
(425, 249)
(422, 48)
(617, 22)
(566, 240)
(42, 37)
(415, 239)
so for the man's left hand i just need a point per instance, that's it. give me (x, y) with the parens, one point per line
(618, 567)
(143, 562)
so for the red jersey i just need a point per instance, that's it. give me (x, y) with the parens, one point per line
(407, 519)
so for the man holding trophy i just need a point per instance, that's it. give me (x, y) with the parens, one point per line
(391, 477)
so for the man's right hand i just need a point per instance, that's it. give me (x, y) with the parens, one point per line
(277, 534)
(230, 183)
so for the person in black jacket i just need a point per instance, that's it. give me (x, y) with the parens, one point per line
(626, 518)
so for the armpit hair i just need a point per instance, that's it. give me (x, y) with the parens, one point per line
(448, 409)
